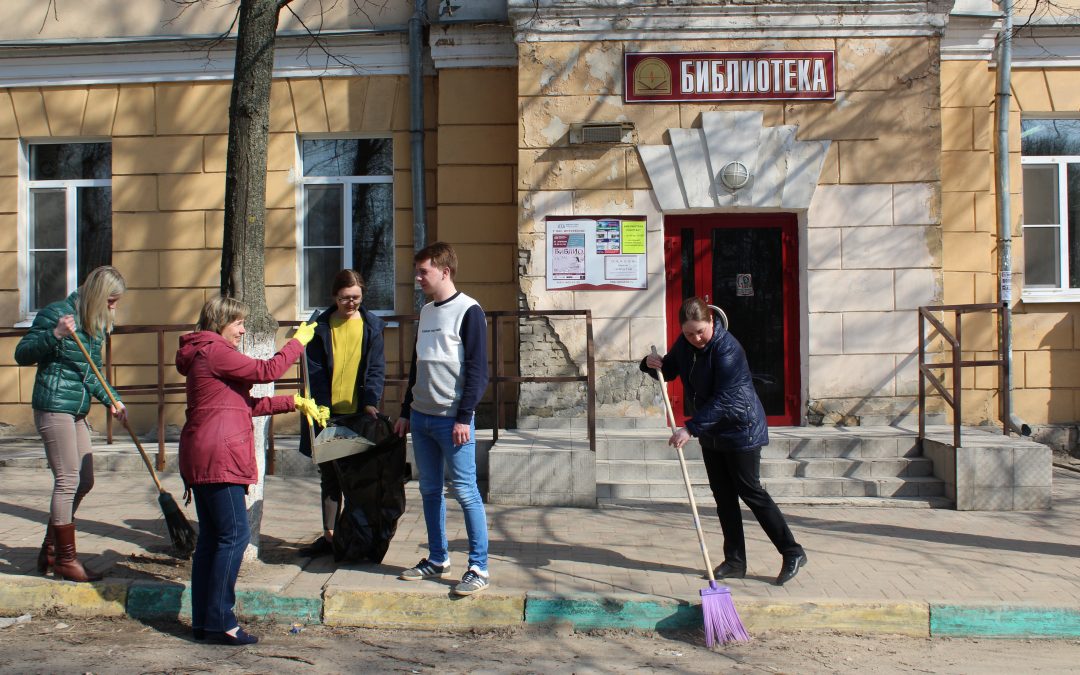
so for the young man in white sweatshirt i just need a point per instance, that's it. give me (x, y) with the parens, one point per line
(446, 382)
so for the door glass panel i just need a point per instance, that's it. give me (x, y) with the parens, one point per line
(747, 283)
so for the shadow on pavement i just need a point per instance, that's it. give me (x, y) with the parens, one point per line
(936, 536)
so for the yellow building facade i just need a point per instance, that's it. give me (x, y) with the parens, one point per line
(885, 190)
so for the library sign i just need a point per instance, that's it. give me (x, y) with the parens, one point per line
(729, 76)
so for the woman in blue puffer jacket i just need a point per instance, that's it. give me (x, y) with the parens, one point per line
(726, 415)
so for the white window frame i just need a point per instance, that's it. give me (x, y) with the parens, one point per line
(71, 224)
(1062, 293)
(304, 312)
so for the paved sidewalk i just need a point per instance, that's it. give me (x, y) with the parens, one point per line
(888, 569)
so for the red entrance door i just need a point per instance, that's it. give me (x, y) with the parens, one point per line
(748, 266)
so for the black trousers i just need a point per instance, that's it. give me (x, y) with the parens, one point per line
(330, 493)
(734, 475)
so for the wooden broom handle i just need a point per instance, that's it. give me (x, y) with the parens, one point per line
(112, 399)
(686, 474)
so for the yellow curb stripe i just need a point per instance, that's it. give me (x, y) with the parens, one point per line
(422, 611)
(900, 618)
(103, 598)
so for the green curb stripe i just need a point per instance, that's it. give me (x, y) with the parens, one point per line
(147, 600)
(378, 609)
(593, 611)
(270, 605)
(171, 601)
(102, 598)
(1004, 621)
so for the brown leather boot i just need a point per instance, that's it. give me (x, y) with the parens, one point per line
(47, 556)
(67, 565)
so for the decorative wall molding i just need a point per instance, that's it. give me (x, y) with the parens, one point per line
(685, 175)
(1044, 44)
(480, 46)
(124, 62)
(569, 20)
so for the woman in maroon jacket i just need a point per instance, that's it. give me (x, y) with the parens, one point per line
(217, 453)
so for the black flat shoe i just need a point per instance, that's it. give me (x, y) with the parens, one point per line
(726, 570)
(241, 638)
(790, 568)
(317, 548)
(198, 633)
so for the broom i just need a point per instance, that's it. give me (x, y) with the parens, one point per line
(722, 624)
(180, 530)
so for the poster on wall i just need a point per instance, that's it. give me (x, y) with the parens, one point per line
(596, 254)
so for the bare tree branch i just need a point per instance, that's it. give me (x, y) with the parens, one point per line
(56, 15)
(316, 41)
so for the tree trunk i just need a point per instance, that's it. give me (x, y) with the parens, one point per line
(242, 255)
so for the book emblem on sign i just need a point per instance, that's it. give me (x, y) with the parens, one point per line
(652, 77)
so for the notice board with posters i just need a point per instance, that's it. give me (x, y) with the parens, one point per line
(602, 253)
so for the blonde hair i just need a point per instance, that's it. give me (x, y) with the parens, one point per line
(219, 312)
(94, 313)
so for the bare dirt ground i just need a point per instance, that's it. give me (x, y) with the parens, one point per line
(66, 645)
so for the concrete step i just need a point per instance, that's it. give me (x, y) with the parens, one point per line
(668, 469)
(674, 490)
(784, 443)
(613, 423)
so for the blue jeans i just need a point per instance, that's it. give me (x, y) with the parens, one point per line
(434, 449)
(223, 537)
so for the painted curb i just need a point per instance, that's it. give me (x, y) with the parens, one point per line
(897, 618)
(586, 611)
(163, 600)
(158, 600)
(380, 609)
(591, 611)
(269, 605)
(101, 598)
(1014, 621)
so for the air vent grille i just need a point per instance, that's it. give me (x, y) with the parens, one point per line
(602, 132)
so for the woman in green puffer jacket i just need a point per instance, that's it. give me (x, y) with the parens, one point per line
(63, 389)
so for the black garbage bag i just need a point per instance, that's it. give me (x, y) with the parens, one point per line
(373, 486)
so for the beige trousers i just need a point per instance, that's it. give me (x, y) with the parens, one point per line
(67, 448)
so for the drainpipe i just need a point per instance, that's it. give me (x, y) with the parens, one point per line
(1004, 214)
(416, 132)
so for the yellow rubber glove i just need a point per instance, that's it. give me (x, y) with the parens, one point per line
(305, 332)
(318, 414)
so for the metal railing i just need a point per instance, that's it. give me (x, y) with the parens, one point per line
(956, 361)
(404, 327)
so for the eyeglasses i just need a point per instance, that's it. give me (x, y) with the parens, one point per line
(349, 299)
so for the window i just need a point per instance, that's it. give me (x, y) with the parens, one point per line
(68, 217)
(347, 204)
(1050, 156)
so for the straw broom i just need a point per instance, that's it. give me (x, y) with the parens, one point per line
(180, 530)
(722, 624)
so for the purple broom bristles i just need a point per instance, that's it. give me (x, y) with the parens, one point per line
(722, 624)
